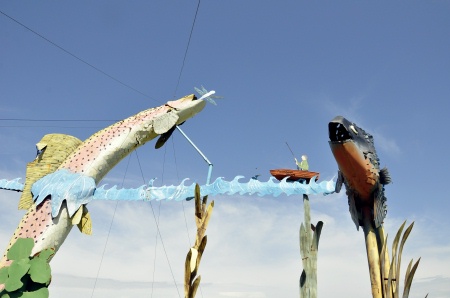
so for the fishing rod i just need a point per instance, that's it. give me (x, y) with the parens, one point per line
(290, 149)
(296, 162)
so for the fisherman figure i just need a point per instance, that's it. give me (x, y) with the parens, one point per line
(303, 165)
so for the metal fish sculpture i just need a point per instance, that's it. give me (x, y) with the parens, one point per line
(359, 170)
(61, 181)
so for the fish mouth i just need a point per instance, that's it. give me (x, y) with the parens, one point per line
(187, 107)
(341, 130)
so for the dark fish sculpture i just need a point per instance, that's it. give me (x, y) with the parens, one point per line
(359, 170)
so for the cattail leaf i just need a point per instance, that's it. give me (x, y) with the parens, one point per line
(201, 249)
(193, 261)
(396, 239)
(194, 287)
(405, 236)
(198, 204)
(409, 279)
(383, 265)
(202, 245)
(208, 214)
(187, 273)
(389, 290)
(205, 200)
(408, 270)
(394, 255)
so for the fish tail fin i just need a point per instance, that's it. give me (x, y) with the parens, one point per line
(52, 150)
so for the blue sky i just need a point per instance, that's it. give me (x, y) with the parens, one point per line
(285, 70)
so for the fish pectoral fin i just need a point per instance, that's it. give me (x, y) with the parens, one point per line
(82, 219)
(76, 219)
(165, 122)
(164, 137)
(339, 182)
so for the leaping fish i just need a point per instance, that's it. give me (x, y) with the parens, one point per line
(60, 181)
(359, 170)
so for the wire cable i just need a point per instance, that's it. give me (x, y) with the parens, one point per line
(159, 233)
(182, 202)
(187, 48)
(75, 56)
(109, 233)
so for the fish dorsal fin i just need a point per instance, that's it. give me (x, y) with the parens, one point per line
(53, 149)
(385, 177)
(82, 219)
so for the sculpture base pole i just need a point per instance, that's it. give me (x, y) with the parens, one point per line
(373, 256)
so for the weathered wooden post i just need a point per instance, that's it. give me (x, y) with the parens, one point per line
(309, 244)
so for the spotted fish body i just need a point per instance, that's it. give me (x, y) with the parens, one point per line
(93, 159)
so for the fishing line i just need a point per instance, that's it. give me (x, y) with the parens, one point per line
(75, 56)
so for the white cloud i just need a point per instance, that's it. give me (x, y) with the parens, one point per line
(252, 250)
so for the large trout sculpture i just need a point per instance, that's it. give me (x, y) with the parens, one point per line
(58, 188)
(359, 169)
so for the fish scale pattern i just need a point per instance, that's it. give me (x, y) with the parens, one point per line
(33, 225)
(95, 156)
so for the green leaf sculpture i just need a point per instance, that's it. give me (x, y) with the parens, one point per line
(21, 249)
(26, 277)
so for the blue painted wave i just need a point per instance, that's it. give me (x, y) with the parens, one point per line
(11, 184)
(219, 187)
(78, 189)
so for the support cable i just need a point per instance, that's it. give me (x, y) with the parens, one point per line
(182, 202)
(187, 48)
(159, 233)
(109, 232)
(75, 56)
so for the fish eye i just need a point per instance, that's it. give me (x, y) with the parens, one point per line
(353, 129)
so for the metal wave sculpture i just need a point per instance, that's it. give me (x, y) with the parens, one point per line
(71, 192)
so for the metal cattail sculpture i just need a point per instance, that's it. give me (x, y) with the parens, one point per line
(202, 216)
